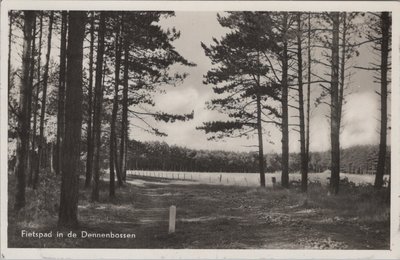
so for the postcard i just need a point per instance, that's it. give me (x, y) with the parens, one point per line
(200, 130)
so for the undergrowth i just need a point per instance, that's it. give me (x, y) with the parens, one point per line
(41, 204)
(361, 202)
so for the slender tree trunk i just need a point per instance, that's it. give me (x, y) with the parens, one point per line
(308, 88)
(61, 93)
(31, 76)
(97, 109)
(42, 140)
(24, 117)
(89, 160)
(342, 68)
(285, 112)
(52, 157)
(334, 93)
(124, 124)
(116, 161)
(114, 111)
(380, 169)
(125, 161)
(34, 166)
(68, 212)
(260, 142)
(304, 161)
(261, 166)
(115, 142)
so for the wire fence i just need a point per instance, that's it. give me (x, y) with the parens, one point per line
(238, 179)
(244, 179)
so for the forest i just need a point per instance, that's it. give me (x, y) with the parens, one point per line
(79, 81)
(158, 156)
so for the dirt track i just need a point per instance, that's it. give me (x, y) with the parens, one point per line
(211, 216)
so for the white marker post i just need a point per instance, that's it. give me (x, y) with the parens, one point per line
(172, 219)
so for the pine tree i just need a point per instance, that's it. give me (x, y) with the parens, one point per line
(31, 86)
(303, 154)
(89, 157)
(42, 141)
(154, 55)
(334, 95)
(35, 160)
(385, 24)
(68, 211)
(23, 116)
(113, 159)
(98, 107)
(379, 34)
(61, 92)
(308, 90)
(284, 101)
(242, 79)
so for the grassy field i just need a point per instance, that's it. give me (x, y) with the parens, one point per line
(250, 179)
(212, 216)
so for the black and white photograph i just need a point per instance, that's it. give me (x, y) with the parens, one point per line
(220, 127)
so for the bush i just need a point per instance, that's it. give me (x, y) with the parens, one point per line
(42, 203)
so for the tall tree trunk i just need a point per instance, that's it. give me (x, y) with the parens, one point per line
(304, 161)
(61, 93)
(260, 142)
(24, 117)
(42, 140)
(68, 212)
(385, 27)
(285, 112)
(89, 160)
(342, 67)
(124, 123)
(261, 166)
(114, 111)
(34, 166)
(97, 109)
(31, 76)
(334, 93)
(308, 88)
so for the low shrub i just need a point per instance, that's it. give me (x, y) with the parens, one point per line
(41, 203)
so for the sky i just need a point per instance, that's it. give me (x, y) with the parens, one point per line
(360, 116)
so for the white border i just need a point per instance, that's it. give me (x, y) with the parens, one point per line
(394, 253)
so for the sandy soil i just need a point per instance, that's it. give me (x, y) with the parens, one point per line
(212, 216)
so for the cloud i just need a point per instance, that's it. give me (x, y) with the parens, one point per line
(361, 119)
(319, 133)
(177, 100)
(360, 124)
(360, 116)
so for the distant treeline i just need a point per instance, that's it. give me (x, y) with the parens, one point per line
(360, 159)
